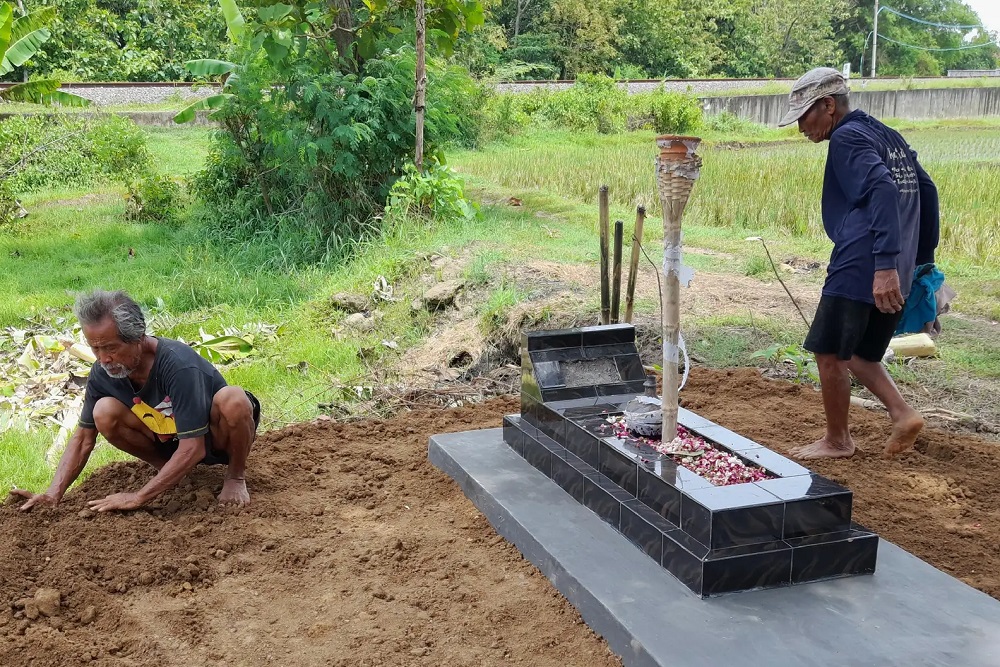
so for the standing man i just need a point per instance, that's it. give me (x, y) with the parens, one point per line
(156, 399)
(880, 209)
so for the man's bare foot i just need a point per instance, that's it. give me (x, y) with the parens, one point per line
(904, 433)
(824, 449)
(234, 492)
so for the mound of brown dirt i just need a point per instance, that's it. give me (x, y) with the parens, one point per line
(940, 502)
(356, 551)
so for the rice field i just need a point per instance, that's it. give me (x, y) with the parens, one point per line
(770, 188)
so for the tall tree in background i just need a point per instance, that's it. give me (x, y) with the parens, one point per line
(585, 32)
(671, 38)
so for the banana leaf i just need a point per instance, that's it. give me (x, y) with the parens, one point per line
(22, 49)
(6, 24)
(209, 67)
(34, 21)
(212, 102)
(235, 23)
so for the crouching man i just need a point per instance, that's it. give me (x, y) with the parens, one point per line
(156, 399)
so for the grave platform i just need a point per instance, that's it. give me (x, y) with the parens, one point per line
(790, 529)
(907, 613)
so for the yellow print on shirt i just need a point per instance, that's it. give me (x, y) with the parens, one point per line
(159, 420)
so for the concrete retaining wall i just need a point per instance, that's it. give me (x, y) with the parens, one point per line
(906, 104)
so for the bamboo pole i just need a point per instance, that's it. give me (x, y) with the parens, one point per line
(616, 272)
(602, 198)
(677, 169)
(633, 266)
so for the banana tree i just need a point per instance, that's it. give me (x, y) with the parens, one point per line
(236, 27)
(20, 39)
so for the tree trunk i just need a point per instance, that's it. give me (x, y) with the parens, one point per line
(419, 102)
(344, 33)
(521, 5)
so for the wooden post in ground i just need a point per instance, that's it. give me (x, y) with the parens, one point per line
(603, 206)
(616, 272)
(419, 99)
(633, 266)
(677, 169)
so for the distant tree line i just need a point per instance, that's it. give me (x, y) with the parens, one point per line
(149, 40)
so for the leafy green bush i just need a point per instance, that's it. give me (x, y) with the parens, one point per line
(674, 113)
(309, 154)
(153, 198)
(594, 104)
(57, 150)
(437, 194)
(729, 123)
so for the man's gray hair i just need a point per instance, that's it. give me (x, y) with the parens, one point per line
(95, 307)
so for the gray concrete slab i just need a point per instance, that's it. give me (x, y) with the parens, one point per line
(908, 613)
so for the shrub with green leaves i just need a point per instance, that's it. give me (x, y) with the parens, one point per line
(153, 198)
(308, 165)
(437, 194)
(58, 150)
(595, 103)
(674, 113)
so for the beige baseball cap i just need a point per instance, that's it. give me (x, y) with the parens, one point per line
(814, 85)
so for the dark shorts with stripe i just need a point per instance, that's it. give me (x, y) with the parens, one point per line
(213, 456)
(849, 328)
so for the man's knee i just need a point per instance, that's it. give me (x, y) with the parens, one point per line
(108, 414)
(831, 363)
(231, 406)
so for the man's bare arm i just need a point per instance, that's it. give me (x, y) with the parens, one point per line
(189, 452)
(71, 464)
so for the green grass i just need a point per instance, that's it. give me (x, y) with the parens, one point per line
(771, 190)
(75, 239)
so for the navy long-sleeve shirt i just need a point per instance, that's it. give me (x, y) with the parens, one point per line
(880, 208)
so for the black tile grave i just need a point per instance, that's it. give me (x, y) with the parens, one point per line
(792, 529)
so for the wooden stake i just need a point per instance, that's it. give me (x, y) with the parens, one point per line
(419, 100)
(602, 198)
(633, 266)
(616, 272)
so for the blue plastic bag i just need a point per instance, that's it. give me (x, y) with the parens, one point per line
(921, 306)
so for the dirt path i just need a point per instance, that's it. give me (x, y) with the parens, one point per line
(357, 552)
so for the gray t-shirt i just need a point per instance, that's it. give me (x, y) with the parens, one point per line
(176, 400)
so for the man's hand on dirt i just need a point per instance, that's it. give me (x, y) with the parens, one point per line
(117, 501)
(888, 297)
(34, 499)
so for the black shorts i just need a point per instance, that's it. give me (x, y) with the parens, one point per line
(213, 456)
(846, 328)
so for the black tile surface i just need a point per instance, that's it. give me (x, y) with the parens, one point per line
(813, 504)
(549, 340)
(604, 497)
(658, 494)
(570, 393)
(644, 528)
(538, 456)
(774, 462)
(630, 367)
(683, 557)
(619, 467)
(747, 568)
(728, 516)
(583, 444)
(608, 334)
(568, 477)
(631, 388)
(513, 435)
(692, 421)
(833, 555)
(548, 374)
(608, 351)
(560, 354)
